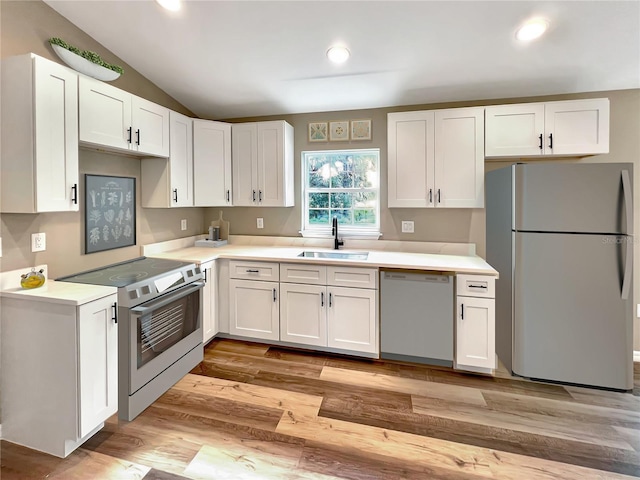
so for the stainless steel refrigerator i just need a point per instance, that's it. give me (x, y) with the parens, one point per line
(560, 236)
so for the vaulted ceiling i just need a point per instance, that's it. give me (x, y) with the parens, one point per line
(226, 59)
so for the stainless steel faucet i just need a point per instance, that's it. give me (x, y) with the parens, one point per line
(334, 231)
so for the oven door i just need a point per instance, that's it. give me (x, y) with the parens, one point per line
(162, 331)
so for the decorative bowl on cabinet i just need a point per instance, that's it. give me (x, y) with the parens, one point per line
(85, 66)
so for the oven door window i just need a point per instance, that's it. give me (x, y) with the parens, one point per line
(163, 327)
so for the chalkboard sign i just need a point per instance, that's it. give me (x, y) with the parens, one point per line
(110, 212)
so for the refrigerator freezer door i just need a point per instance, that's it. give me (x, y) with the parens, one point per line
(567, 197)
(571, 322)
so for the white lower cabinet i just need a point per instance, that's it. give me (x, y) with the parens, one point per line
(59, 371)
(320, 310)
(303, 314)
(254, 309)
(352, 319)
(209, 301)
(475, 323)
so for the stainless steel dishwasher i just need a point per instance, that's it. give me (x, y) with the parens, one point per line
(416, 317)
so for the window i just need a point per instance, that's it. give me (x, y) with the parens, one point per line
(343, 184)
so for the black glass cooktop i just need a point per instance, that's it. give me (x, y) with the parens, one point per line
(141, 269)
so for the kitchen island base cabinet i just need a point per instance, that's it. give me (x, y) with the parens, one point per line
(254, 309)
(59, 372)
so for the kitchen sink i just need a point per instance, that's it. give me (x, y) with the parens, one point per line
(340, 255)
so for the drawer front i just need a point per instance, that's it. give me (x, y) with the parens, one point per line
(254, 270)
(352, 277)
(303, 273)
(476, 285)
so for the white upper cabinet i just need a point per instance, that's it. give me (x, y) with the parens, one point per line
(117, 120)
(39, 136)
(459, 158)
(574, 127)
(169, 182)
(410, 159)
(211, 163)
(436, 158)
(262, 164)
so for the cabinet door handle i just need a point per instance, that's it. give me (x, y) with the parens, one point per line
(129, 130)
(253, 271)
(259, 195)
(462, 311)
(540, 139)
(175, 195)
(204, 273)
(74, 195)
(322, 299)
(228, 195)
(431, 195)
(254, 195)
(551, 141)
(438, 195)
(275, 296)
(138, 137)
(330, 299)
(115, 313)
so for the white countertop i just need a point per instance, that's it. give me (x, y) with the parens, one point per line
(379, 259)
(65, 293)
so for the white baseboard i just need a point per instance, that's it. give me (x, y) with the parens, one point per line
(636, 356)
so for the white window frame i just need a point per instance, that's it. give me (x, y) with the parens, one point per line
(323, 231)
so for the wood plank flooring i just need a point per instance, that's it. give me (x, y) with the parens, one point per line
(254, 412)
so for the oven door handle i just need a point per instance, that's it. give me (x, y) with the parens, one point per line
(175, 295)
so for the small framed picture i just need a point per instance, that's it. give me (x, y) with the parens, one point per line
(361, 129)
(110, 212)
(339, 131)
(318, 131)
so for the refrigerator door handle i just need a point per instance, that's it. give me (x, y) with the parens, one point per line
(626, 188)
(626, 282)
(628, 200)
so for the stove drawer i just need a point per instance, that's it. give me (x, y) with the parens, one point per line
(254, 270)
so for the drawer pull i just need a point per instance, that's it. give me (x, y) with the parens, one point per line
(477, 286)
(253, 271)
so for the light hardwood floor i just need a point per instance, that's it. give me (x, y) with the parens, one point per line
(254, 412)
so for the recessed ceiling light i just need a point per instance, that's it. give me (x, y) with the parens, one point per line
(173, 5)
(338, 54)
(531, 29)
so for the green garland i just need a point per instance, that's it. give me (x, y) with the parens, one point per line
(89, 55)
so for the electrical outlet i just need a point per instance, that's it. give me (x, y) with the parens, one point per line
(260, 223)
(407, 226)
(0, 246)
(38, 242)
(183, 224)
(638, 310)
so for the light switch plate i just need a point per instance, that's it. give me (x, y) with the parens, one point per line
(407, 226)
(260, 223)
(183, 224)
